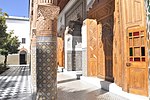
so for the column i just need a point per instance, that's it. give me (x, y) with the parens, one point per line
(46, 51)
(33, 63)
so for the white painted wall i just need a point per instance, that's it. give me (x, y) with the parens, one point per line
(21, 27)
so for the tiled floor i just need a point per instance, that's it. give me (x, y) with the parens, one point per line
(71, 89)
(15, 84)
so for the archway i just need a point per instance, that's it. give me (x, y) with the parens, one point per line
(23, 57)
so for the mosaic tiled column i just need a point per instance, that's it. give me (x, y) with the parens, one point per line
(46, 49)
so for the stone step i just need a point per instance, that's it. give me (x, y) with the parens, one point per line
(112, 87)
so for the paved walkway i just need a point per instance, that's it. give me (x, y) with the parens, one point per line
(71, 89)
(15, 84)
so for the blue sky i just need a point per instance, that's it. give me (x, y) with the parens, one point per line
(15, 7)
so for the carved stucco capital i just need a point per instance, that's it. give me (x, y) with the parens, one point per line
(47, 15)
(48, 11)
(33, 32)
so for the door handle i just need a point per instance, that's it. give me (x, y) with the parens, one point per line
(128, 64)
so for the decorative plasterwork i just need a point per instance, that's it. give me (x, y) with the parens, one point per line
(46, 19)
(23, 49)
(48, 11)
(33, 32)
(78, 9)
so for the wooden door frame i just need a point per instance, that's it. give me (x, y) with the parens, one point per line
(124, 30)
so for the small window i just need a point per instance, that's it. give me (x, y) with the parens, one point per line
(23, 40)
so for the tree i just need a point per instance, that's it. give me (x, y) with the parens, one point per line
(8, 43)
(3, 26)
(10, 46)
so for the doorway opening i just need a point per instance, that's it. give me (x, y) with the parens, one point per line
(103, 12)
(23, 57)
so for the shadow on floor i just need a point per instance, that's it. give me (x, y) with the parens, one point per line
(68, 80)
(70, 94)
(17, 71)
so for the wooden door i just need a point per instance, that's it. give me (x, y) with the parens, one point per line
(100, 54)
(92, 47)
(60, 52)
(137, 61)
(117, 48)
(22, 59)
(132, 20)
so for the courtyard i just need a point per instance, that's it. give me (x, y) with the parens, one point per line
(15, 84)
(76, 50)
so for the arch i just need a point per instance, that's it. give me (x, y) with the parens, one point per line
(23, 49)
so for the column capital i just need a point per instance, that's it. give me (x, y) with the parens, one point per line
(46, 19)
(49, 10)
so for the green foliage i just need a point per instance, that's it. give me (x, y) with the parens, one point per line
(8, 42)
(3, 27)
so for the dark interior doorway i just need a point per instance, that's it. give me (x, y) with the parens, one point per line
(23, 57)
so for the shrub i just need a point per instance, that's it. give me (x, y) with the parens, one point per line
(2, 68)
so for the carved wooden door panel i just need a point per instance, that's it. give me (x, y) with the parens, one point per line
(136, 68)
(92, 47)
(60, 52)
(100, 54)
(137, 61)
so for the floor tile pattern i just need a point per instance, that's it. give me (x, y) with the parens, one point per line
(15, 84)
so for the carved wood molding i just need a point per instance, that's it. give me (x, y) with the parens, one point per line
(100, 4)
(102, 11)
(62, 3)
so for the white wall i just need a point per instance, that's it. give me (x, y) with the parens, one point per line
(21, 27)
